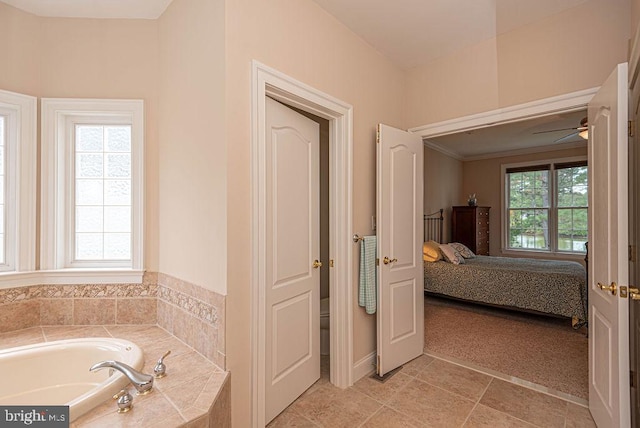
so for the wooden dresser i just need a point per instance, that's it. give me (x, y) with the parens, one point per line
(470, 226)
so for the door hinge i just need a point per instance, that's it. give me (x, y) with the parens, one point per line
(633, 254)
(633, 379)
(378, 134)
(631, 128)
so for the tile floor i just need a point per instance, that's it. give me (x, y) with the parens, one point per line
(430, 392)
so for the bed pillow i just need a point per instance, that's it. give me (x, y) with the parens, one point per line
(431, 251)
(463, 250)
(451, 255)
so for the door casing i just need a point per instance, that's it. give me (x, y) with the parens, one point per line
(267, 81)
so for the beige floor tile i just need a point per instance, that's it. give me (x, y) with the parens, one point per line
(415, 366)
(525, 404)
(382, 391)
(579, 417)
(334, 407)
(431, 405)
(454, 378)
(486, 417)
(389, 418)
(290, 419)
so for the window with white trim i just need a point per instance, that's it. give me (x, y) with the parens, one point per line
(546, 206)
(92, 157)
(17, 182)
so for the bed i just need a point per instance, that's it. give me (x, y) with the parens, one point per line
(548, 287)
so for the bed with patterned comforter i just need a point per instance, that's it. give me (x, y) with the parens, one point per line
(544, 286)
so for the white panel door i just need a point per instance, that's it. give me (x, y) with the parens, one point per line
(400, 318)
(608, 254)
(292, 258)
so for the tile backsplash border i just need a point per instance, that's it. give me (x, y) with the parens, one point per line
(192, 313)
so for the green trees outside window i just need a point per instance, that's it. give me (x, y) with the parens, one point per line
(547, 207)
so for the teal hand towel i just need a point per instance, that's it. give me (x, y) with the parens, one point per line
(368, 286)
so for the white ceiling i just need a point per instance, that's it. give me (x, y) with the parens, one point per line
(513, 138)
(131, 9)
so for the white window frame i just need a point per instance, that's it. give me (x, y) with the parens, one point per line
(553, 208)
(59, 117)
(20, 183)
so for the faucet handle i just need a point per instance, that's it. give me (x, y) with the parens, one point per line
(125, 401)
(160, 368)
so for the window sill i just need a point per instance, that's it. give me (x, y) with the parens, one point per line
(70, 276)
(543, 254)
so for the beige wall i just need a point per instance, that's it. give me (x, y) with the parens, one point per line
(20, 65)
(442, 186)
(483, 177)
(100, 58)
(301, 40)
(192, 161)
(570, 51)
(88, 58)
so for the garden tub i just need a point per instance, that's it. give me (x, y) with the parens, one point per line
(57, 373)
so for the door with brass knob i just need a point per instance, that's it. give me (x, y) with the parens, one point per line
(611, 288)
(400, 303)
(608, 159)
(291, 347)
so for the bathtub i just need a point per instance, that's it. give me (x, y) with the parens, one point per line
(57, 373)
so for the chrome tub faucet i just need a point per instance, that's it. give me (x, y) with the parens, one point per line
(142, 382)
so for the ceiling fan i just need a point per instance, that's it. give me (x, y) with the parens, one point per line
(582, 131)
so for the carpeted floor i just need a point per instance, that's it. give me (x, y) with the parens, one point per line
(538, 349)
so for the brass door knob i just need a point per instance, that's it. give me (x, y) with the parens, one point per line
(317, 264)
(634, 293)
(386, 260)
(612, 288)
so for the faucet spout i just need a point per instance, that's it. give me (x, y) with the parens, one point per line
(142, 382)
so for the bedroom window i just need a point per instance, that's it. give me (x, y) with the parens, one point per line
(546, 206)
(92, 184)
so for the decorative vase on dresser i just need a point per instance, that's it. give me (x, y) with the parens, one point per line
(470, 226)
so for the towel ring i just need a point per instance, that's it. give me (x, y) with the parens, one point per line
(357, 238)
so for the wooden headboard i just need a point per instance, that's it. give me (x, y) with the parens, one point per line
(433, 226)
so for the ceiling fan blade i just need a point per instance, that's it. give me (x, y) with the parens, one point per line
(555, 130)
(567, 137)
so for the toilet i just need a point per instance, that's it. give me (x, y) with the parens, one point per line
(325, 338)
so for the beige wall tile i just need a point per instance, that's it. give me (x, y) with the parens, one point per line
(19, 315)
(136, 311)
(56, 311)
(220, 414)
(165, 315)
(94, 311)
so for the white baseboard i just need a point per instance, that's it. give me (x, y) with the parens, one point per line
(364, 367)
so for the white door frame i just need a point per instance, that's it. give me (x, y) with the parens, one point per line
(545, 107)
(267, 81)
